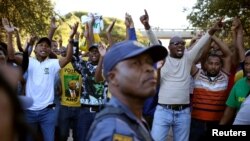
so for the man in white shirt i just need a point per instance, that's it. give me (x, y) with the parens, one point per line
(41, 74)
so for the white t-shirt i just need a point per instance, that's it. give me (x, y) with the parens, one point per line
(175, 75)
(40, 82)
(242, 117)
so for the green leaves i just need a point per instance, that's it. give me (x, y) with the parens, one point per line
(206, 11)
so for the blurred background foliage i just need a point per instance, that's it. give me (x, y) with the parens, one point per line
(205, 12)
(33, 17)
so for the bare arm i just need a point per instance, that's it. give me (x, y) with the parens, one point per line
(65, 60)
(226, 54)
(127, 26)
(108, 32)
(159, 65)
(90, 30)
(9, 28)
(18, 41)
(98, 72)
(228, 116)
(53, 28)
(204, 40)
(239, 42)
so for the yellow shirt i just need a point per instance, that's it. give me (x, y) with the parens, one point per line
(70, 78)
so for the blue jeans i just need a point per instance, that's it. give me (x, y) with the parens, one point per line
(86, 117)
(68, 116)
(45, 119)
(165, 118)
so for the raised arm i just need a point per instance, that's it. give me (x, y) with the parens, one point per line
(18, 40)
(108, 32)
(9, 28)
(205, 39)
(98, 72)
(239, 39)
(76, 46)
(53, 28)
(226, 54)
(130, 28)
(65, 60)
(90, 30)
(151, 36)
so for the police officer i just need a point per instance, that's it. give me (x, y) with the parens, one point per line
(132, 78)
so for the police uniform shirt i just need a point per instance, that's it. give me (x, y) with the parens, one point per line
(115, 129)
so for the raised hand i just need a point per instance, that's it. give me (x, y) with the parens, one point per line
(236, 24)
(127, 22)
(8, 26)
(102, 49)
(32, 39)
(73, 30)
(216, 27)
(145, 19)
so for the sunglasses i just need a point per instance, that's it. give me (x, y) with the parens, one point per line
(178, 43)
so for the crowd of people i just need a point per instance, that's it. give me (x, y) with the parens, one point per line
(122, 90)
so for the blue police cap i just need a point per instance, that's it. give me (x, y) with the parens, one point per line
(128, 49)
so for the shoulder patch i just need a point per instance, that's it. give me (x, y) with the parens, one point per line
(120, 137)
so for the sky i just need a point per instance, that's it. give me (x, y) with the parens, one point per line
(167, 14)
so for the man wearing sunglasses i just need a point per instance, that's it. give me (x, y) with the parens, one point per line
(173, 108)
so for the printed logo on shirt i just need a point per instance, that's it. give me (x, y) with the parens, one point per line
(120, 137)
(46, 70)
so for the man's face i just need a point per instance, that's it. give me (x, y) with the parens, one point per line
(72, 85)
(177, 49)
(94, 55)
(247, 67)
(136, 77)
(213, 66)
(42, 50)
(54, 47)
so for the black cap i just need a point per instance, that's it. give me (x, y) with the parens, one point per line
(44, 39)
(93, 46)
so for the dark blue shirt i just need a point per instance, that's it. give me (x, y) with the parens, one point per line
(114, 128)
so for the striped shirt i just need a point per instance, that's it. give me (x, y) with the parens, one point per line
(209, 96)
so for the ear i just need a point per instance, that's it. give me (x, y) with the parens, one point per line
(35, 49)
(112, 78)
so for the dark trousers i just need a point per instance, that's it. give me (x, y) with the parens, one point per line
(200, 130)
(87, 116)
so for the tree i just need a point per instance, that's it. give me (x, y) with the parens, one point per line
(31, 16)
(205, 11)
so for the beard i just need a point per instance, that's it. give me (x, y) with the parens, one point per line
(212, 74)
